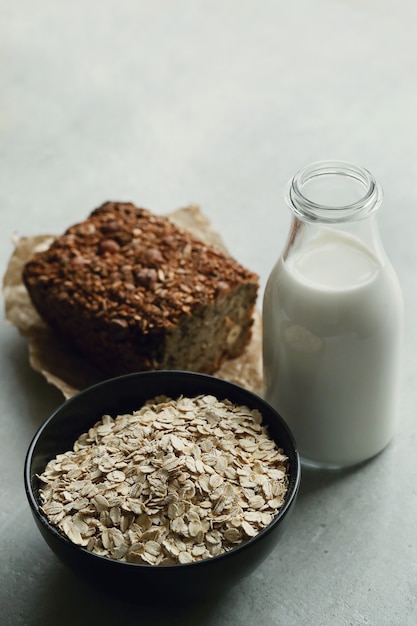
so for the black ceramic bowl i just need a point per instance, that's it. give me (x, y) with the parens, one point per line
(126, 394)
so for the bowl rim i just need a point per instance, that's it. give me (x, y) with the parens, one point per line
(291, 495)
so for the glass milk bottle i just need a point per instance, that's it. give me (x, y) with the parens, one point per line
(332, 320)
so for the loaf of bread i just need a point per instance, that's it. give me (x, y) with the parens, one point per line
(131, 291)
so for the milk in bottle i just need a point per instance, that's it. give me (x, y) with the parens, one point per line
(332, 320)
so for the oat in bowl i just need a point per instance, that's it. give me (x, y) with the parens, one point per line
(190, 490)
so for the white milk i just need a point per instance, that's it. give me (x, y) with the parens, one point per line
(332, 337)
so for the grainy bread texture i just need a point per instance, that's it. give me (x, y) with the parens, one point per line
(132, 291)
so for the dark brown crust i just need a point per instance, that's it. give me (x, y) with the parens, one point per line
(124, 283)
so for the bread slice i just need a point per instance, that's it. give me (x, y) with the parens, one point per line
(131, 291)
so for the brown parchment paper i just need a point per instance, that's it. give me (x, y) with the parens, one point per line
(66, 369)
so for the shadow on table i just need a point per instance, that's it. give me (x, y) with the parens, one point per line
(314, 480)
(65, 600)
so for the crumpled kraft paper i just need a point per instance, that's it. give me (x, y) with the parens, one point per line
(66, 369)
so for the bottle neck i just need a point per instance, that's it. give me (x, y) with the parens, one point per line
(303, 233)
(333, 192)
(334, 196)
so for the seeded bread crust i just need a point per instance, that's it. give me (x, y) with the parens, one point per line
(132, 291)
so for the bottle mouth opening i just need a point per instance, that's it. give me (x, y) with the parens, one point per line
(333, 191)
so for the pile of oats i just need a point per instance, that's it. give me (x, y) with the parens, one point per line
(175, 482)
